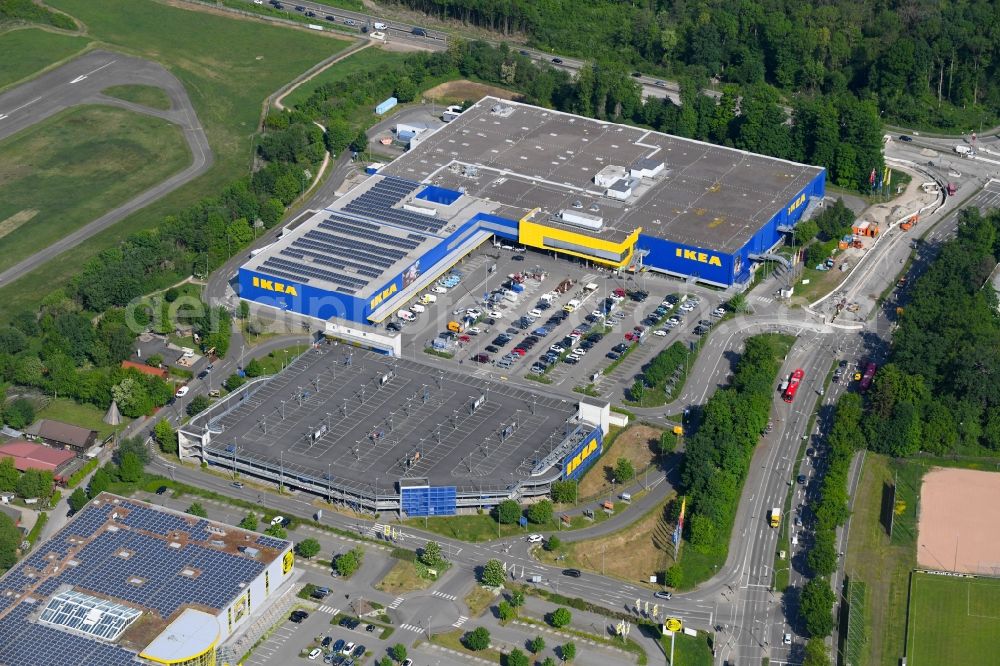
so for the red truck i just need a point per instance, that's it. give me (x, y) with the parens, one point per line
(793, 385)
(868, 375)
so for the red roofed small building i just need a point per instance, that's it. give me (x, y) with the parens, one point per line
(146, 369)
(28, 455)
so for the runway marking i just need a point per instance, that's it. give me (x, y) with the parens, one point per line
(83, 76)
(2, 116)
(21, 107)
(78, 79)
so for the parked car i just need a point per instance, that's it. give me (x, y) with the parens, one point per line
(278, 520)
(298, 615)
(315, 653)
(535, 538)
(181, 392)
(481, 358)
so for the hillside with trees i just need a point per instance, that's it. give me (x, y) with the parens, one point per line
(923, 63)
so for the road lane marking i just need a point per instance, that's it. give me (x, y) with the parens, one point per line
(78, 79)
(22, 106)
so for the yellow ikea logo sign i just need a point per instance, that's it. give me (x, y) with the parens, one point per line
(798, 202)
(386, 293)
(581, 457)
(279, 287)
(287, 562)
(701, 257)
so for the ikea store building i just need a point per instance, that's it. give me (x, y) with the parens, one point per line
(620, 196)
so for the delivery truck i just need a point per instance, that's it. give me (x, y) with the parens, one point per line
(775, 517)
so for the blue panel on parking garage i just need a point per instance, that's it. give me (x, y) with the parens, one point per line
(429, 501)
(440, 195)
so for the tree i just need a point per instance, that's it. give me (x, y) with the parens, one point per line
(537, 644)
(816, 606)
(78, 499)
(822, 557)
(398, 652)
(165, 436)
(254, 368)
(540, 512)
(517, 598)
(250, 522)
(431, 554)
(384, 661)
(10, 541)
(508, 512)
(199, 403)
(130, 470)
(568, 651)
(233, 382)
(564, 492)
(277, 531)
(359, 143)
(668, 442)
(477, 639)
(34, 483)
(348, 563)
(624, 471)
(19, 413)
(8, 475)
(307, 548)
(506, 611)
(196, 509)
(548, 661)
(552, 543)
(517, 658)
(100, 482)
(674, 576)
(406, 90)
(134, 445)
(493, 574)
(816, 654)
(560, 617)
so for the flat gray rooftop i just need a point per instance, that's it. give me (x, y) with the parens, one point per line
(367, 418)
(708, 196)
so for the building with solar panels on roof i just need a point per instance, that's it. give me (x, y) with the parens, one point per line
(622, 197)
(126, 582)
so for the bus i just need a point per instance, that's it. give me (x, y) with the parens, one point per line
(868, 375)
(793, 385)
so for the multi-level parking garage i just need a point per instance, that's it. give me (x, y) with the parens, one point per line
(389, 434)
(620, 196)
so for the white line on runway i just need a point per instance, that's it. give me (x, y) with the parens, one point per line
(20, 107)
(83, 76)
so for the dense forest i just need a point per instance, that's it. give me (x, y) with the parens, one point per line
(940, 393)
(924, 62)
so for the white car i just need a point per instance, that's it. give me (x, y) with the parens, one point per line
(494, 314)
(597, 314)
(660, 333)
(475, 330)
(787, 639)
(182, 391)
(535, 538)
(278, 520)
(348, 649)
(536, 313)
(316, 652)
(379, 26)
(438, 289)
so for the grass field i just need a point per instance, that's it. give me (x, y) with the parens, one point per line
(69, 169)
(151, 96)
(881, 563)
(228, 66)
(367, 60)
(85, 416)
(690, 650)
(29, 51)
(638, 443)
(402, 578)
(633, 553)
(952, 620)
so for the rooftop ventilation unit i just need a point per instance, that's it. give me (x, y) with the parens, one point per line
(581, 219)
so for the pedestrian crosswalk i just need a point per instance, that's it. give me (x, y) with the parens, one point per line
(395, 602)
(410, 627)
(328, 609)
(450, 597)
(460, 621)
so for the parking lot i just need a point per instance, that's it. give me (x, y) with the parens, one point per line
(292, 639)
(514, 313)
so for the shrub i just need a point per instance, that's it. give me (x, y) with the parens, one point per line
(477, 639)
(307, 548)
(560, 617)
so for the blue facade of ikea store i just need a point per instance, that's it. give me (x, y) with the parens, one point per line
(726, 269)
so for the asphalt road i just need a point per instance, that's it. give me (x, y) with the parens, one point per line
(80, 82)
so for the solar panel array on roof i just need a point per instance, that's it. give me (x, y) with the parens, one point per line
(141, 558)
(377, 204)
